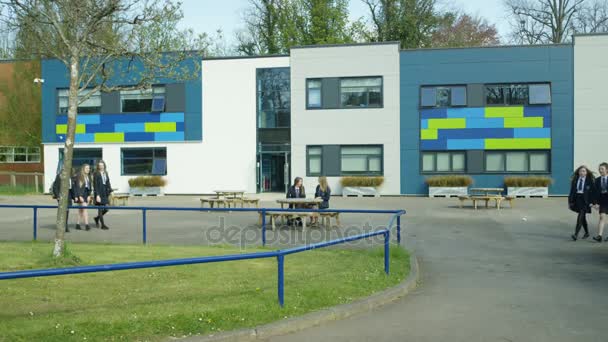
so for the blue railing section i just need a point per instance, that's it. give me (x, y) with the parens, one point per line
(262, 211)
(279, 254)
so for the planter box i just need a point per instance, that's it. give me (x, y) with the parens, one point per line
(359, 191)
(148, 191)
(528, 192)
(448, 191)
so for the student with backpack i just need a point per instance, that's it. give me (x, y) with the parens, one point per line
(56, 190)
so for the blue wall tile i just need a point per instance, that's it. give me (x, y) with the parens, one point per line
(85, 138)
(139, 136)
(532, 133)
(433, 113)
(104, 127)
(466, 144)
(429, 145)
(172, 117)
(169, 136)
(130, 127)
(486, 123)
(487, 65)
(475, 133)
(473, 112)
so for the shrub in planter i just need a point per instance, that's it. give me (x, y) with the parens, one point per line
(147, 182)
(373, 182)
(449, 181)
(528, 182)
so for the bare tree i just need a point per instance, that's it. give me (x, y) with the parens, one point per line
(464, 30)
(98, 40)
(554, 21)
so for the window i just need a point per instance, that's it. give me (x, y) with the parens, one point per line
(12, 154)
(83, 156)
(361, 92)
(273, 98)
(443, 162)
(518, 94)
(313, 93)
(144, 161)
(517, 161)
(361, 160)
(443, 96)
(314, 156)
(143, 100)
(91, 105)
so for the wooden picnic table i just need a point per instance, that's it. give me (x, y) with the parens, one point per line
(488, 191)
(230, 193)
(300, 201)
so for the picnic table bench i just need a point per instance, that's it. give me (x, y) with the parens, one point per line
(119, 199)
(303, 215)
(229, 202)
(486, 198)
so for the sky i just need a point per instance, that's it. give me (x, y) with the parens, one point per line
(210, 15)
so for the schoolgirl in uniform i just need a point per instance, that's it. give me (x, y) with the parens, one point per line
(580, 200)
(82, 194)
(601, 199)
(102, 190)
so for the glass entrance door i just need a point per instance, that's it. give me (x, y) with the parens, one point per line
(273, 172)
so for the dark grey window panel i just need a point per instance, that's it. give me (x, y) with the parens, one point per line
(475, 95)
(330, 93)
(459, 96)
(274, 135)
(110, 102)
(540, 94)
(428, 97)
(331, 160)
(475, 161)
(175, 95)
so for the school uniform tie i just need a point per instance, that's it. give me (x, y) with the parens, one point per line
(604, 184)
(580, 185)
(297, 192)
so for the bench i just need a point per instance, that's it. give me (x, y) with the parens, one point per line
(327, 216)
(497, 199)
(286, 215)
(119, 200)
(250, 202)
(216, 202)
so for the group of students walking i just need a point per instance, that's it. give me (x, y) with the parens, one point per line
(587, 192)
(87, 188)
(322, 192)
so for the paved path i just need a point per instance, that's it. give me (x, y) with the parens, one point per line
(491, 277)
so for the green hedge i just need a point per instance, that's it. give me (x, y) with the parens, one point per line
(526, 182)
(449, 181)
(147, 182)
(362, 181)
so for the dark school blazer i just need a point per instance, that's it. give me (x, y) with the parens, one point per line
(588, 194)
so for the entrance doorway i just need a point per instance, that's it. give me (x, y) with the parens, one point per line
(273, 171)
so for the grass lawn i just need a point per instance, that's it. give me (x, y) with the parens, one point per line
(17, 190)
(155, 303)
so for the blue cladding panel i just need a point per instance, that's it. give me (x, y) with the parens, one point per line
(85, 138)
(62, 119)
(179, 126)
(476, 133)
(104, 127)
(88, 119)
(528, 64)
(424, 124)
(140, 136)
(169, 136)
(429, 145)
(130, 127)
(532, 133)
(477, 112)
(486, 123)
(172, 117)
(466, 144)
(433, 113)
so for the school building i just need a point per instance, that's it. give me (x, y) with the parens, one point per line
(255, 123)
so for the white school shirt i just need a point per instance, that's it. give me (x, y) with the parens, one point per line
(580, 186)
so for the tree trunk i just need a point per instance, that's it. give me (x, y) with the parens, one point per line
(66, 172)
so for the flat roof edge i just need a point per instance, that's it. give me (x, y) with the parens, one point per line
(487, 47)
(343, 45)
(244, 57)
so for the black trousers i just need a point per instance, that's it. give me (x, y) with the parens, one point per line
(581, 222)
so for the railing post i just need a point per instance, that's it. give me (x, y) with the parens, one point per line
(280, 279)
(398, 228)
(387, 238)
(263, 227)
(35, 223)
(144, 228)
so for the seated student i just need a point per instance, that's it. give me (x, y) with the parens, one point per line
(601, 199)
(296, 191)
(322, 192)
(57, 195)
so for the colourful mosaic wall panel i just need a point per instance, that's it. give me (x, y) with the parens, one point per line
(489, 128)
(116, 128)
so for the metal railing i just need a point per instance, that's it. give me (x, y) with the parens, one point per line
(261, 211)
(279, 254)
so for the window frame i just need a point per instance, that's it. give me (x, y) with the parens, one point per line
(308, 172)
(341, 106)
(364, 173)
(451, 171)
(505, 97)
(154, 95)
(308, 106)
(9, 155)
(528, 155)
(448, 86)
(96, 149)
(122, 159)
(58, 98)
